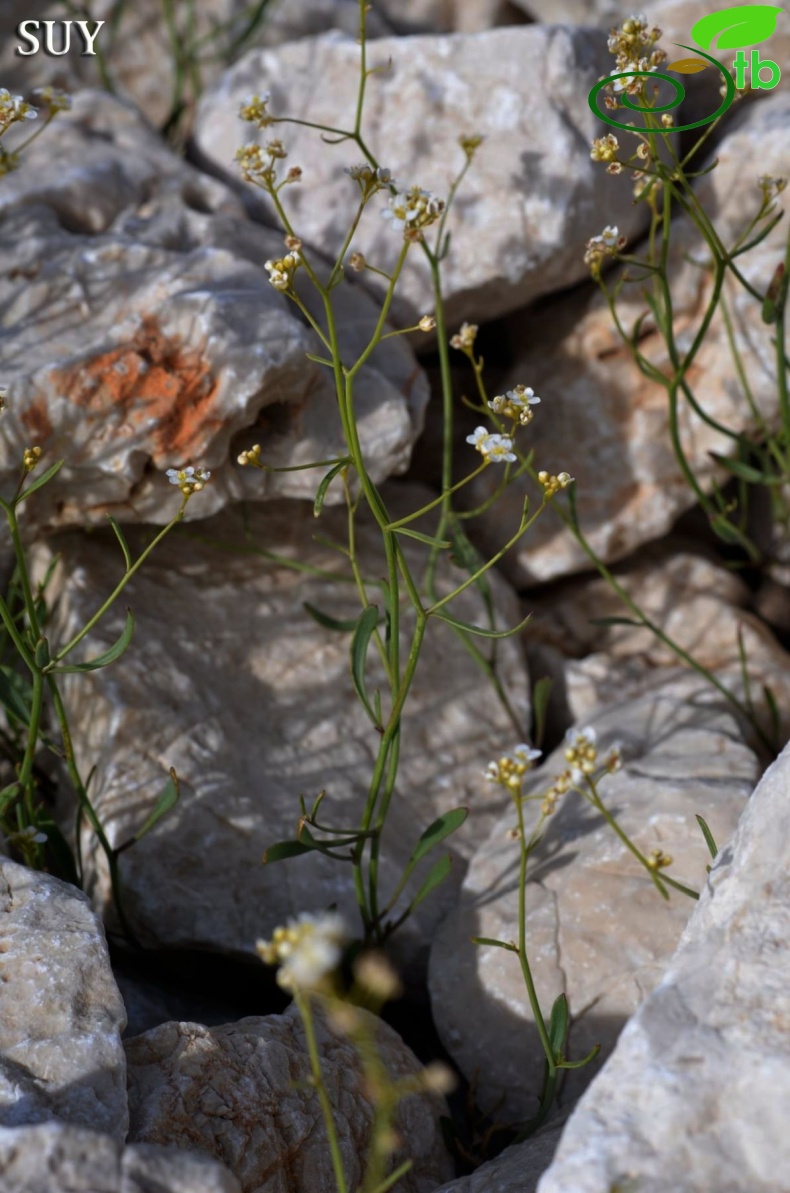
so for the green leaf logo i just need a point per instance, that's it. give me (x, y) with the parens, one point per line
(743, 25)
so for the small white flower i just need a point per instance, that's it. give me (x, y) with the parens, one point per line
(610, 236)
(525, 753)
(478, 437)
(189, 480)
(581, 737)
(307, 949)
(499, 448)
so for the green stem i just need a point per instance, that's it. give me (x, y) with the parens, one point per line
(302, 1001)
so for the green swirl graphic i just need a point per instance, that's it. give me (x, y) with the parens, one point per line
(678, 97)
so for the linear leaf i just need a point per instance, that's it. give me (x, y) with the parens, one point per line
(41, 480)
(423, 538)
(285, 849)
(441, 828)
(708, 835)
(438, 872)
(365, 626)
(499, 944)
(124, 545)
(558, 1025)
(15, 694)
(168, 798)
(326, 481)
(476, 629)
(579, 1064)
(746, 472)
(109, 656)
(341, 624)
(540, 703)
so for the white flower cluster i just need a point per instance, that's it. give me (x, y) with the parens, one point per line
(282, 270)
(412, 210)
(13, 108)
(496, 448)
(370, 179)
(189, 480)
(510, 768)
(253, 109)
(516, 404)
(306, 950)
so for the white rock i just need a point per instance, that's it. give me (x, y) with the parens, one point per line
(608, 425)
(694, 600)
(695, 1096)
(61, 1015)
(234, 685)
(232, 1092)
(597, 929)
(531, 199)
(147, 336)
(56, 1158)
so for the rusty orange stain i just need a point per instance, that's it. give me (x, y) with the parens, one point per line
(151, 377)
(35, 419)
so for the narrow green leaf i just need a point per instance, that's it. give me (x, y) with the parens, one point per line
(285, 849)
(441, 828)
(558, 1025)
(499, 944)
(441, 544)
(127, 555)
(168, 798)
(341, 624)
(773, 709)
(579, 1064)
(478, 630)
(109, 656)
(320, 360)
(708, 835)
(307, 838)
(41, 480)
(365, 626)
(15, 694)
(8, 794)
(438, 872)
(317, 803)
(42, 656)
(540, 703)
(326, 481)
(746, 472)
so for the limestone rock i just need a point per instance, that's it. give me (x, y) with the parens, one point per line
(527, 206)
(61, 1015)
(138, 51)
(695, 601)
(59, 1158)
(598, 929)
(231, 1092)
(444, 16)
(233, 684)
(605, 423)
(679, 1105)
(517, 1170)
(147, 336)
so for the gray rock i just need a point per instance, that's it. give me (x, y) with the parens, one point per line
(241, 1094)
(695, 1096)
(517, 1170)
(61, 1015)
(607, 424)
(233, 684)
(138, 50)
(700, 605)
(56, 1158)
(598, 929)
(147, 336)
(531, 199)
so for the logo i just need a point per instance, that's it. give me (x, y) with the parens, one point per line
(737, 28)
(56, 45)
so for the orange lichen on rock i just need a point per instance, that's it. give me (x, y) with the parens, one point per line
(150, 379)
